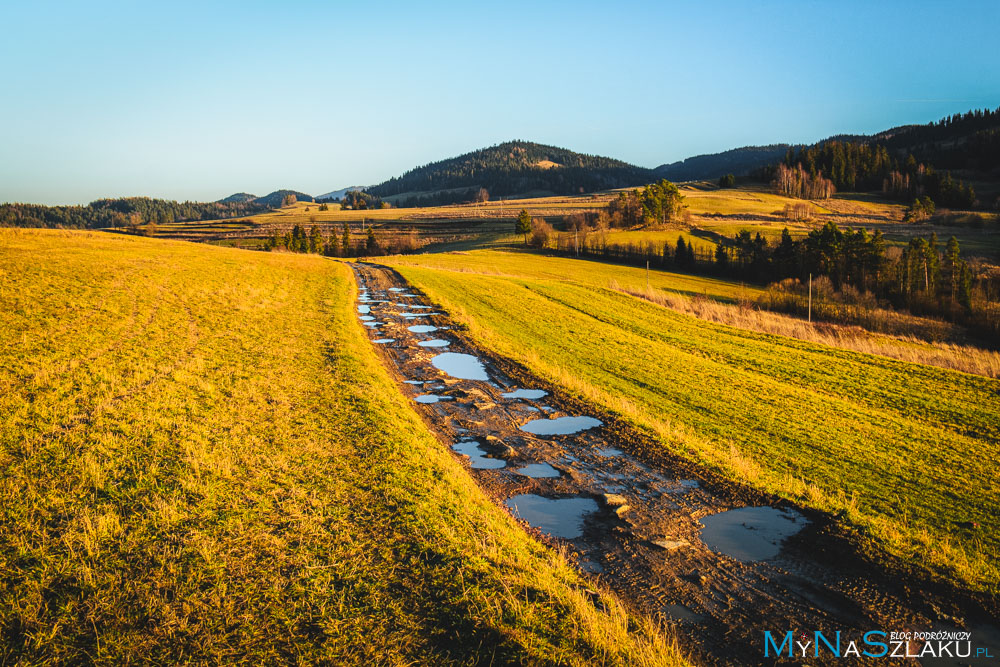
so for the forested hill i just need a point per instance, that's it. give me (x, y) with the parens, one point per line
(969, 141)
(123, 212)
(511, 168)
(914, 160)
(738, 161)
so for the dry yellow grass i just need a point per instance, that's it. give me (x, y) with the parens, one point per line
(965, 358)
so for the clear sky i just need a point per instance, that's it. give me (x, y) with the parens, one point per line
(199, 100)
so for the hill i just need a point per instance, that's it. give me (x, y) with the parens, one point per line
(509, 169)
(339, 194)
(239, 197)
(738, 161)
(275, 199)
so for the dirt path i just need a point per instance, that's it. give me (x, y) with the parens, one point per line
(639, 519)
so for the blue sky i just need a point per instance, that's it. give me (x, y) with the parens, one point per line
(198, 100)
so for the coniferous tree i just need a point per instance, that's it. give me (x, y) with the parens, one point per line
(523, 225)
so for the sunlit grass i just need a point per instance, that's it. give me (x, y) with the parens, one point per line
(203, 460)
(903, 452)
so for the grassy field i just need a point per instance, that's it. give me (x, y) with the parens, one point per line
(657, 237)
(710, 211)
(518, 264)
(903, 452)
(203, 460)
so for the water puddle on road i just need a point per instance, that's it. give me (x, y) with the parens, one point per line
(751, 533)
(559, 517)
(366, 318)
(364, 310)
(560, 426)
(530, 394)
(431, 398)
(384, 341)
(421, 328)
(415, 306)
(609, 451)
(537, 470)
(372, 325)
(397, 289)
(478, 459)
(435, 342)
(678, 612)
(461, 366)
(410, 316)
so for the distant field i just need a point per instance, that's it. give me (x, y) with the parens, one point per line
(897, 449)
(658, 237)
(202, 460)
(710, 211)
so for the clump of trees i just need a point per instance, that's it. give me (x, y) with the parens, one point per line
(657, 203)
(360, 201)
(727, 181)
(921, 209)
(797, 182)
(341, 243)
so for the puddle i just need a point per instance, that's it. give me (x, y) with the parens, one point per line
(364, 310)
(383, 341)
(477, 457)
(397, 289)
(560, 426)
(421, 328)
(413, 295)
(431, 398)
(461, 366)
(537, 470)
(415, 306)
(530, 408)
(530, 394)
(686, 485)
(559, 517)
(366, 318)
(678, 612)
(609, 451)
(413, 381)
(436, 342)
(410, 316)
(371, 325)
(750, 533)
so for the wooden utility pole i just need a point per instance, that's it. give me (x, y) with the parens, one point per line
(810, 297)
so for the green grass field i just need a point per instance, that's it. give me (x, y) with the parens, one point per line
(903, 452)
(520, 264)
(203, 460)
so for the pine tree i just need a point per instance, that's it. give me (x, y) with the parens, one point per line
(951, 270)
(523, 225)
(345, 240)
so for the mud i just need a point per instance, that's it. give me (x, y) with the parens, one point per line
(651, 526)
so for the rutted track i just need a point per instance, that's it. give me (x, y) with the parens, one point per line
(644, 540)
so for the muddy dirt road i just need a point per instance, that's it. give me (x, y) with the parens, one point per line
(718, 561)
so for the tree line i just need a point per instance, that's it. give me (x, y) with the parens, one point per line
(925, 276)
(125, 212)
(815, 172)
(341, 243)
